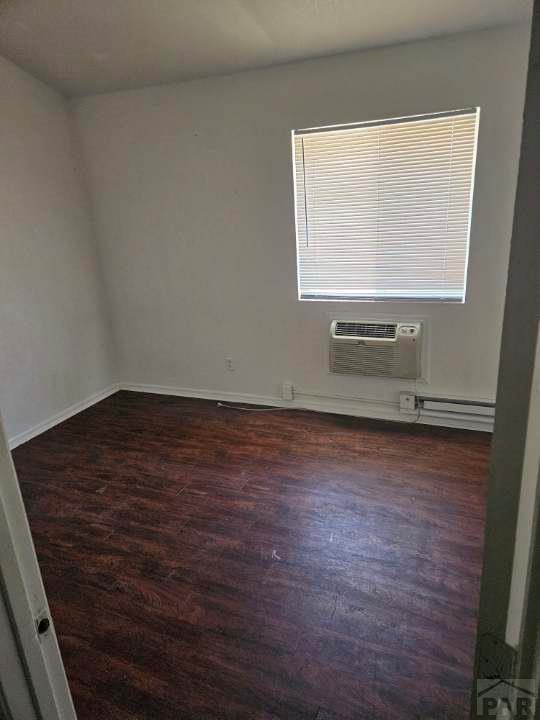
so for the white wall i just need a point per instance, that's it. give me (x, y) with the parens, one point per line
(192, 188)
(55, 347)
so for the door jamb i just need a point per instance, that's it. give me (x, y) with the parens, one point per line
(24, 594)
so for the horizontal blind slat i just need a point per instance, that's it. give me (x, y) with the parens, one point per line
(384, 210)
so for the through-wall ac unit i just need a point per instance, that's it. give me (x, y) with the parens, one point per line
(383, 349)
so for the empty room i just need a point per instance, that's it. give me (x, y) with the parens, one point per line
(269, 359)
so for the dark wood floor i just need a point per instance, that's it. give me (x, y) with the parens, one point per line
(204, 563)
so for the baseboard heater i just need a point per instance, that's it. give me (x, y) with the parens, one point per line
(444, 405)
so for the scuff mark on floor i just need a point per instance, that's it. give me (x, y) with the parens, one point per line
(335, 607)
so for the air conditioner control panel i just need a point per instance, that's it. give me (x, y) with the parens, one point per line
(408, 330)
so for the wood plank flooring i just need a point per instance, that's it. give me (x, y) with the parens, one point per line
(204, 563)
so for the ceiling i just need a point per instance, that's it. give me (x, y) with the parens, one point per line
(88, 46)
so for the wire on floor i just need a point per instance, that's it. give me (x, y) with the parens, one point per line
(231, 406)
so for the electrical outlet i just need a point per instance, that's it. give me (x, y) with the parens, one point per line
(407, 402)
(287, 391)
(229, 364)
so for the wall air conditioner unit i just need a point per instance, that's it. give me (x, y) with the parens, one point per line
(381, 349)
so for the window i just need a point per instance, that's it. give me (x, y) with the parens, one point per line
(383, 208)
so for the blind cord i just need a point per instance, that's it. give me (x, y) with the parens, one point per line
(305, 193)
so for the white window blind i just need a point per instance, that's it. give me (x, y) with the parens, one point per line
(383, 208)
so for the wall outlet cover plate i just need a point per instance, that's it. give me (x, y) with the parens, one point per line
(287, 391)
(407, 401)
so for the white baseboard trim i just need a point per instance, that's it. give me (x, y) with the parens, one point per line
(205, 394)
(377, 410)
(72, 410)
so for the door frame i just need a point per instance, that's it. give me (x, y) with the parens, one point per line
(528, 665)
(513, 471)
(35, 661)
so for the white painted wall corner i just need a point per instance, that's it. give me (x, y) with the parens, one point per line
(56, 419)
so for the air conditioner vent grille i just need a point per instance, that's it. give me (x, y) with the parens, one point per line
(366, 330)
(352, 360)
(379, 349)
